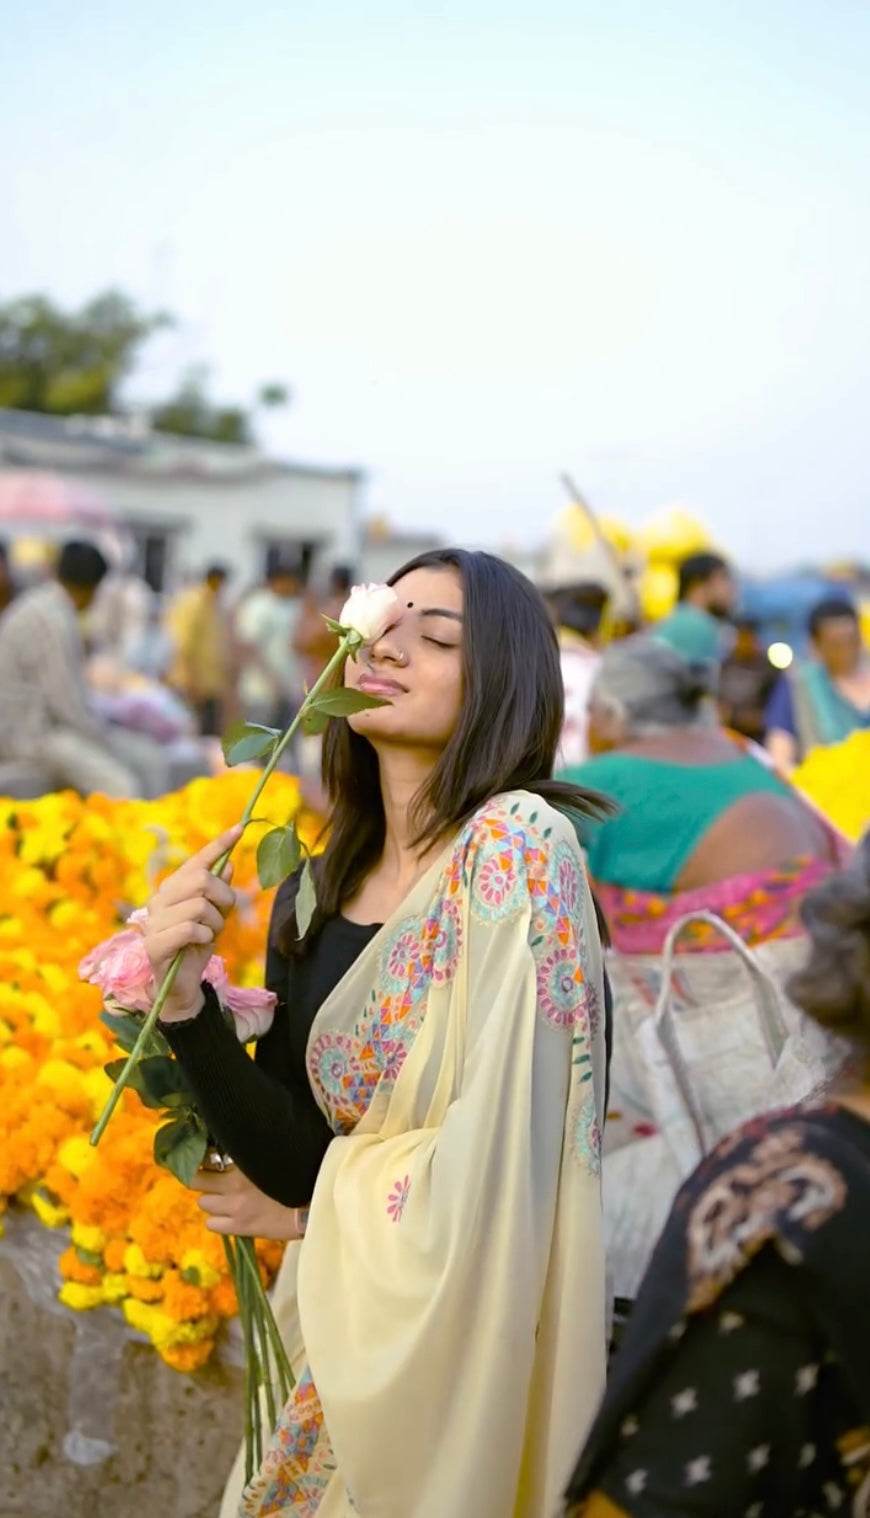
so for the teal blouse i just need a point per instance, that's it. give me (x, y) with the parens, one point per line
(665, 810)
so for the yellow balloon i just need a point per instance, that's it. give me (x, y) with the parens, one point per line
(671, 534)
(658, 591)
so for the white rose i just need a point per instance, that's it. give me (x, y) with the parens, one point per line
(368, 611)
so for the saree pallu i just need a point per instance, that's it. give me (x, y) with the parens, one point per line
(761, 906)
(451, 1280)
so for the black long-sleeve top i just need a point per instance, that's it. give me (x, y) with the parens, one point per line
(262, 1111)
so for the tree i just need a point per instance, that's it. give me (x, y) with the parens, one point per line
(69, 362)
(189, 413)
(72, 363)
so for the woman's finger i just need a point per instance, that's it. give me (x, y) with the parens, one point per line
(189, 882)
(165, 944)
(212, 851)
(220, 1225)
(212, 1203)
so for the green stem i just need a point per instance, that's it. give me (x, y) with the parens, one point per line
(257, 1301)
(233, 1262)
(286, 1378)
(253, 1424)
(168, 981)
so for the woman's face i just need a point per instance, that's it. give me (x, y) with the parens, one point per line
(416, 665)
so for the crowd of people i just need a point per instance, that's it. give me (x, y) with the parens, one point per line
(542, 827)
(104, 687)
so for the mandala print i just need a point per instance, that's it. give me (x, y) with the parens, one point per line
(499, 887)
(562, 991)
(343, 1081)
(402, 967)
(568, 880)
(442, 936)
(389, 1035)
(398, 1198)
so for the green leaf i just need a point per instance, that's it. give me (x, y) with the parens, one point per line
(158, 1081)
(344, 701)
(314, 722)
(180, 1146)
(278, 854)
(333, 626)
(306, 900)
(125, 1028)
(248, 740)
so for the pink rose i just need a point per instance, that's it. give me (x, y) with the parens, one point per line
(122, 970)
(252, 1007)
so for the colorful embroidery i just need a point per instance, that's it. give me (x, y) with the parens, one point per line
(508, 866)
(586, 1132)
(561, 988)
(442, 941)
(398, 1198)
(299, 1462)
(499, 884)
(402, 967)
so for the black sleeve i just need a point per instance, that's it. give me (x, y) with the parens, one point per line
(259, 1112)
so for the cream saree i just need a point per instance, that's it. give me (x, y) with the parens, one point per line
(450, 1286)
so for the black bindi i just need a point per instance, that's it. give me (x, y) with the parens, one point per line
(410, 605)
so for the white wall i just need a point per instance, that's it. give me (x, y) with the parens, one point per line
(229, 520)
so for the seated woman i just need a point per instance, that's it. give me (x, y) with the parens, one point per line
(702, 826)
(743, 1383)
(702, 823)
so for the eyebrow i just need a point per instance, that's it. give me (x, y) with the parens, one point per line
(440, 611)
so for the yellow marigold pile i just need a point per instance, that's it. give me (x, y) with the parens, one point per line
(837, 779)
(70, 872)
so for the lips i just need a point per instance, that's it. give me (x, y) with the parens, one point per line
(374, 686)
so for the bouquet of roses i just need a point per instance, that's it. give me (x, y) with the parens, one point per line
(133, 1003)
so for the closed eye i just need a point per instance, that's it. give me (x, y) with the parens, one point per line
(438, 643)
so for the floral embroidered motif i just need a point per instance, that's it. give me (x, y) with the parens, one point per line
(562, 994)
(507, 866)
(402, 966)
(442, 941)
(586, 1143)
(299, 1462)
(568, 881)
(398, 1198)
(345, 1080)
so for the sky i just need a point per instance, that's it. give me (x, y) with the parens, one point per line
(482, 243)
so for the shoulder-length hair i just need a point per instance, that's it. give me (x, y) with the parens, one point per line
(506, 737)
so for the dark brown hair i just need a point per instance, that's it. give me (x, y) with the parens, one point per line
(506, 738)
(834, 985)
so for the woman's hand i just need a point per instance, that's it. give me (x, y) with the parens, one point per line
(188, 912)
(235, 1205)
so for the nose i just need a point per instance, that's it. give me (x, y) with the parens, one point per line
(387, 649)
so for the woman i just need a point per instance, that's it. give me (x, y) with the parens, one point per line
(743, 1385)
(701, 822)
(702, 826)
(433, 1085)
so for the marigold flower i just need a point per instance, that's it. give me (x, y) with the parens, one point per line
(79, 1297)
(187, 1357)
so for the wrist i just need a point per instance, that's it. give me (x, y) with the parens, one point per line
(182, 1012)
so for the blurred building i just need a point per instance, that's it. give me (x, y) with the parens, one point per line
(179, 502)
(386, 548)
